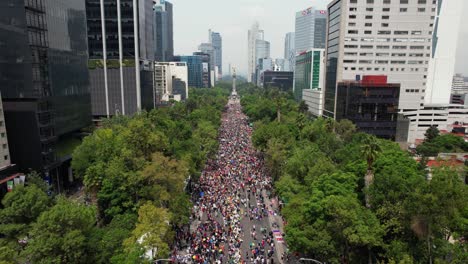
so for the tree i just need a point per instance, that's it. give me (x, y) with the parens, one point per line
(152, 230)
(370, 152)
(345, 129)
(60, 234)
(303, 107)
(431, 133)
(21, 207)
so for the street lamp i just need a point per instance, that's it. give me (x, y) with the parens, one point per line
(313, 260)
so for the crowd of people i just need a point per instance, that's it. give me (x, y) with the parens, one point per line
(231, 209)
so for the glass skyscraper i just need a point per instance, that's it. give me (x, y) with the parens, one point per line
(217, 43)
(44, 78)
(310, 29)
(195, 69)
(163, 30)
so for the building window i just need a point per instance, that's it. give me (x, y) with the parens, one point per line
(421, 1)
(352, 32)
(399, 32)
(403, 1)
(368, 24)
(384, 24)
(351, 9)
(6, 157)
(368, 32)
(384, 32)
(4, 146)
(403, 10)
(369, 9)
(370, 1)
(421, 10)
(386, 9)
(352, 24)
(368, 17)
(386, 17)
(387, 1)
(2, 135)
(352, 16)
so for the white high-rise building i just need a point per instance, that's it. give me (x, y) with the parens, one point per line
(388, 37)
(254, 34)
(444, 51)
(170, 81)
(290, 51)
(311, 27)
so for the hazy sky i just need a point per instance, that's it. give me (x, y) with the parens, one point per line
(233, 18)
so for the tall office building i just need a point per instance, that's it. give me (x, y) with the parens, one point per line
(207, 71)
(5, 160)
(195, 69)
(44, 80)
(254, 34)
(207, 48)
(290, 50)
(217, 43)
(163, 30)
(121, 67)
(310, 29)
(262, 49)
(444, 51)
(392, 38)
(310, 73)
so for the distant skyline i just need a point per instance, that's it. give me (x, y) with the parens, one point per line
(232, 19)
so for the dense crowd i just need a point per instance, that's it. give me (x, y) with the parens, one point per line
(229, 195)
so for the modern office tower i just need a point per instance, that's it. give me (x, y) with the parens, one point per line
(289, 51)
(254, 34)
(371, 104)
(310, 29)
(44, 80)
(283, 80)
(262, 49)
(207, 48)
(163, 30)
(170, 81)
(207, 59)
(392, 38)
(444, 51)
(217, 43)
(459, 84)
(263, 65)
(195, 69)
(121, 68)
(310, 73)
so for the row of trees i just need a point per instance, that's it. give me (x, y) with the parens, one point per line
(352, 198)
(135, 171)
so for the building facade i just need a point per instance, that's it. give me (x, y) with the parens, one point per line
(163, 30)
(459, 84)
(392, 38)
(254, 34)
(44, 79)
(310, 72)
(217, 43)
(290, 50)
(195, 69)
(170, 81)
(310, 29)
(371, 104)
(120, 64)
(283, 80)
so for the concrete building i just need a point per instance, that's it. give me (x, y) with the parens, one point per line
(310, 29)
(392, 38)
(263, 65)
(5, 160)
(459, 84)
(121, 63)
(290, 51)
(371, 104)
(314, 101)
(170, 81)
(163, 30)
(310, 72)
(44, 83)
(283, 80)
(217, 42)
(254, 34)
(444, 51)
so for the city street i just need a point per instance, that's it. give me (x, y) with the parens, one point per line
(234, 220)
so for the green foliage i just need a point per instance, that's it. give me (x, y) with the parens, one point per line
(442, 144)
(319, 167)
(60, 234)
